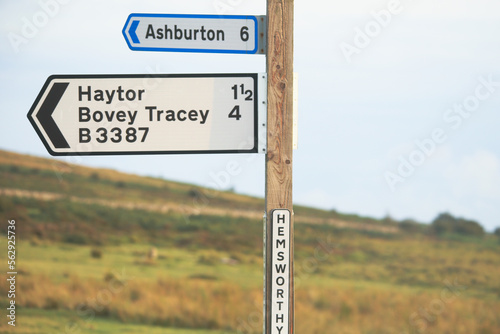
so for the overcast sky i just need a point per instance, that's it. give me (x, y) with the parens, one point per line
(399, 101)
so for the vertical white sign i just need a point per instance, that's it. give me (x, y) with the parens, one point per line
(280, 267)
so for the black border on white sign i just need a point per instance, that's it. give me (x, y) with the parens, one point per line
(257, 98)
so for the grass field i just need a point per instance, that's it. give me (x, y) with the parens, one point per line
(34, 321)
(86, 266)
(201, 289)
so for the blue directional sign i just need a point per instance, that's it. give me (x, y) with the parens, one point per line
(196, 33)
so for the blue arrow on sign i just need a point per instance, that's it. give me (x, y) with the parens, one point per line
(132, 32)
(196, 33)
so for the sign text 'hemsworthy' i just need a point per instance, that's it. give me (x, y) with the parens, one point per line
(280, 278)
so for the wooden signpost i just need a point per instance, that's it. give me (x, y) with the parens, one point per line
(279, 293)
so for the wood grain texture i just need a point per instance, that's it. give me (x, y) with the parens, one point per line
(279, 159)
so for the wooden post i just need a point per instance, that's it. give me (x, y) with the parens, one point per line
(279, 159)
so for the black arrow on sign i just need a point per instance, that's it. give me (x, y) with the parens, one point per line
(44, 115)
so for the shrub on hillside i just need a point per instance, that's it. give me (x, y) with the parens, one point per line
(411, 226)
(77, 239)
(96, 253)
(195, 193)
(446, 223)
(497, 232)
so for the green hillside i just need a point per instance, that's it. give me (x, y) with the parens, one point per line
(111, 252)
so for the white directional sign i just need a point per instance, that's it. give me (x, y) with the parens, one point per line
(280, 269)
(195, 33)
(151, 114)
